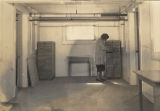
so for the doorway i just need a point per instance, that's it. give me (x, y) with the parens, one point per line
(18, 48)
(138, 58)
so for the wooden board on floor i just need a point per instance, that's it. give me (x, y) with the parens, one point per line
(32, 70)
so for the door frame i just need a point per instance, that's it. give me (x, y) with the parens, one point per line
(18, 48)
(138, 54)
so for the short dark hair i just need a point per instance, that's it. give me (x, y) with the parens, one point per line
(104, 36)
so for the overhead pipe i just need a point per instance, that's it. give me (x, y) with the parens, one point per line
(81, 14)
(75, 19)
(79, 17)
(113, 14)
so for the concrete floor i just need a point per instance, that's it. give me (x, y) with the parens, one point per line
(79, 94)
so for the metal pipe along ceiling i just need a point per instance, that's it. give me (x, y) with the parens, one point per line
(77, 17)
(73, 14)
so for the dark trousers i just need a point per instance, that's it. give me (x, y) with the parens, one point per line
(100, 70)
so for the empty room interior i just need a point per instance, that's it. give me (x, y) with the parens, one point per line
(79, 55)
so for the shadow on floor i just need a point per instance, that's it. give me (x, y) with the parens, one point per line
(80, 94)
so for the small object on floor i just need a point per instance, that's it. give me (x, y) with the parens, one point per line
(100, 80)
(103, 79)
(32, 70)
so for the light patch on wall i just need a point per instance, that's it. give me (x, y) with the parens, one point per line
(80, 33)
(1, 23)
(155, 27)
(54, 31)
(80, 69)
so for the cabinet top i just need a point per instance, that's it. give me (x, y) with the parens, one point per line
(152, 75)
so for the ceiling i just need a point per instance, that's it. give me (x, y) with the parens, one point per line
(74, 6)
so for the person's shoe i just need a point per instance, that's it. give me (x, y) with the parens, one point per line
(100, 80)
(103, 79)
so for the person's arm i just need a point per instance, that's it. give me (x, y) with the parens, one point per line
(105, 48)
(102, 45)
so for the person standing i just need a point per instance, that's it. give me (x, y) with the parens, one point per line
(100, 56)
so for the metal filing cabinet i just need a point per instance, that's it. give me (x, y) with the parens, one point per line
(46, 60)
(113, 59)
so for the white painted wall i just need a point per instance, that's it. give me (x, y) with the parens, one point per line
(149, 31)
(7, 51)
(28, 47)
(132, 43)
(54, 31)
(129, 50)
(149, 14)
(132, 48)
(126, 53)
(25, 48)
(33, 36)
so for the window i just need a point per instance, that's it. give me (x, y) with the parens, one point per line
(74, 33)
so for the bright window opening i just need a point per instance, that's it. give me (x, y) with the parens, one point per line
(80, 33)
